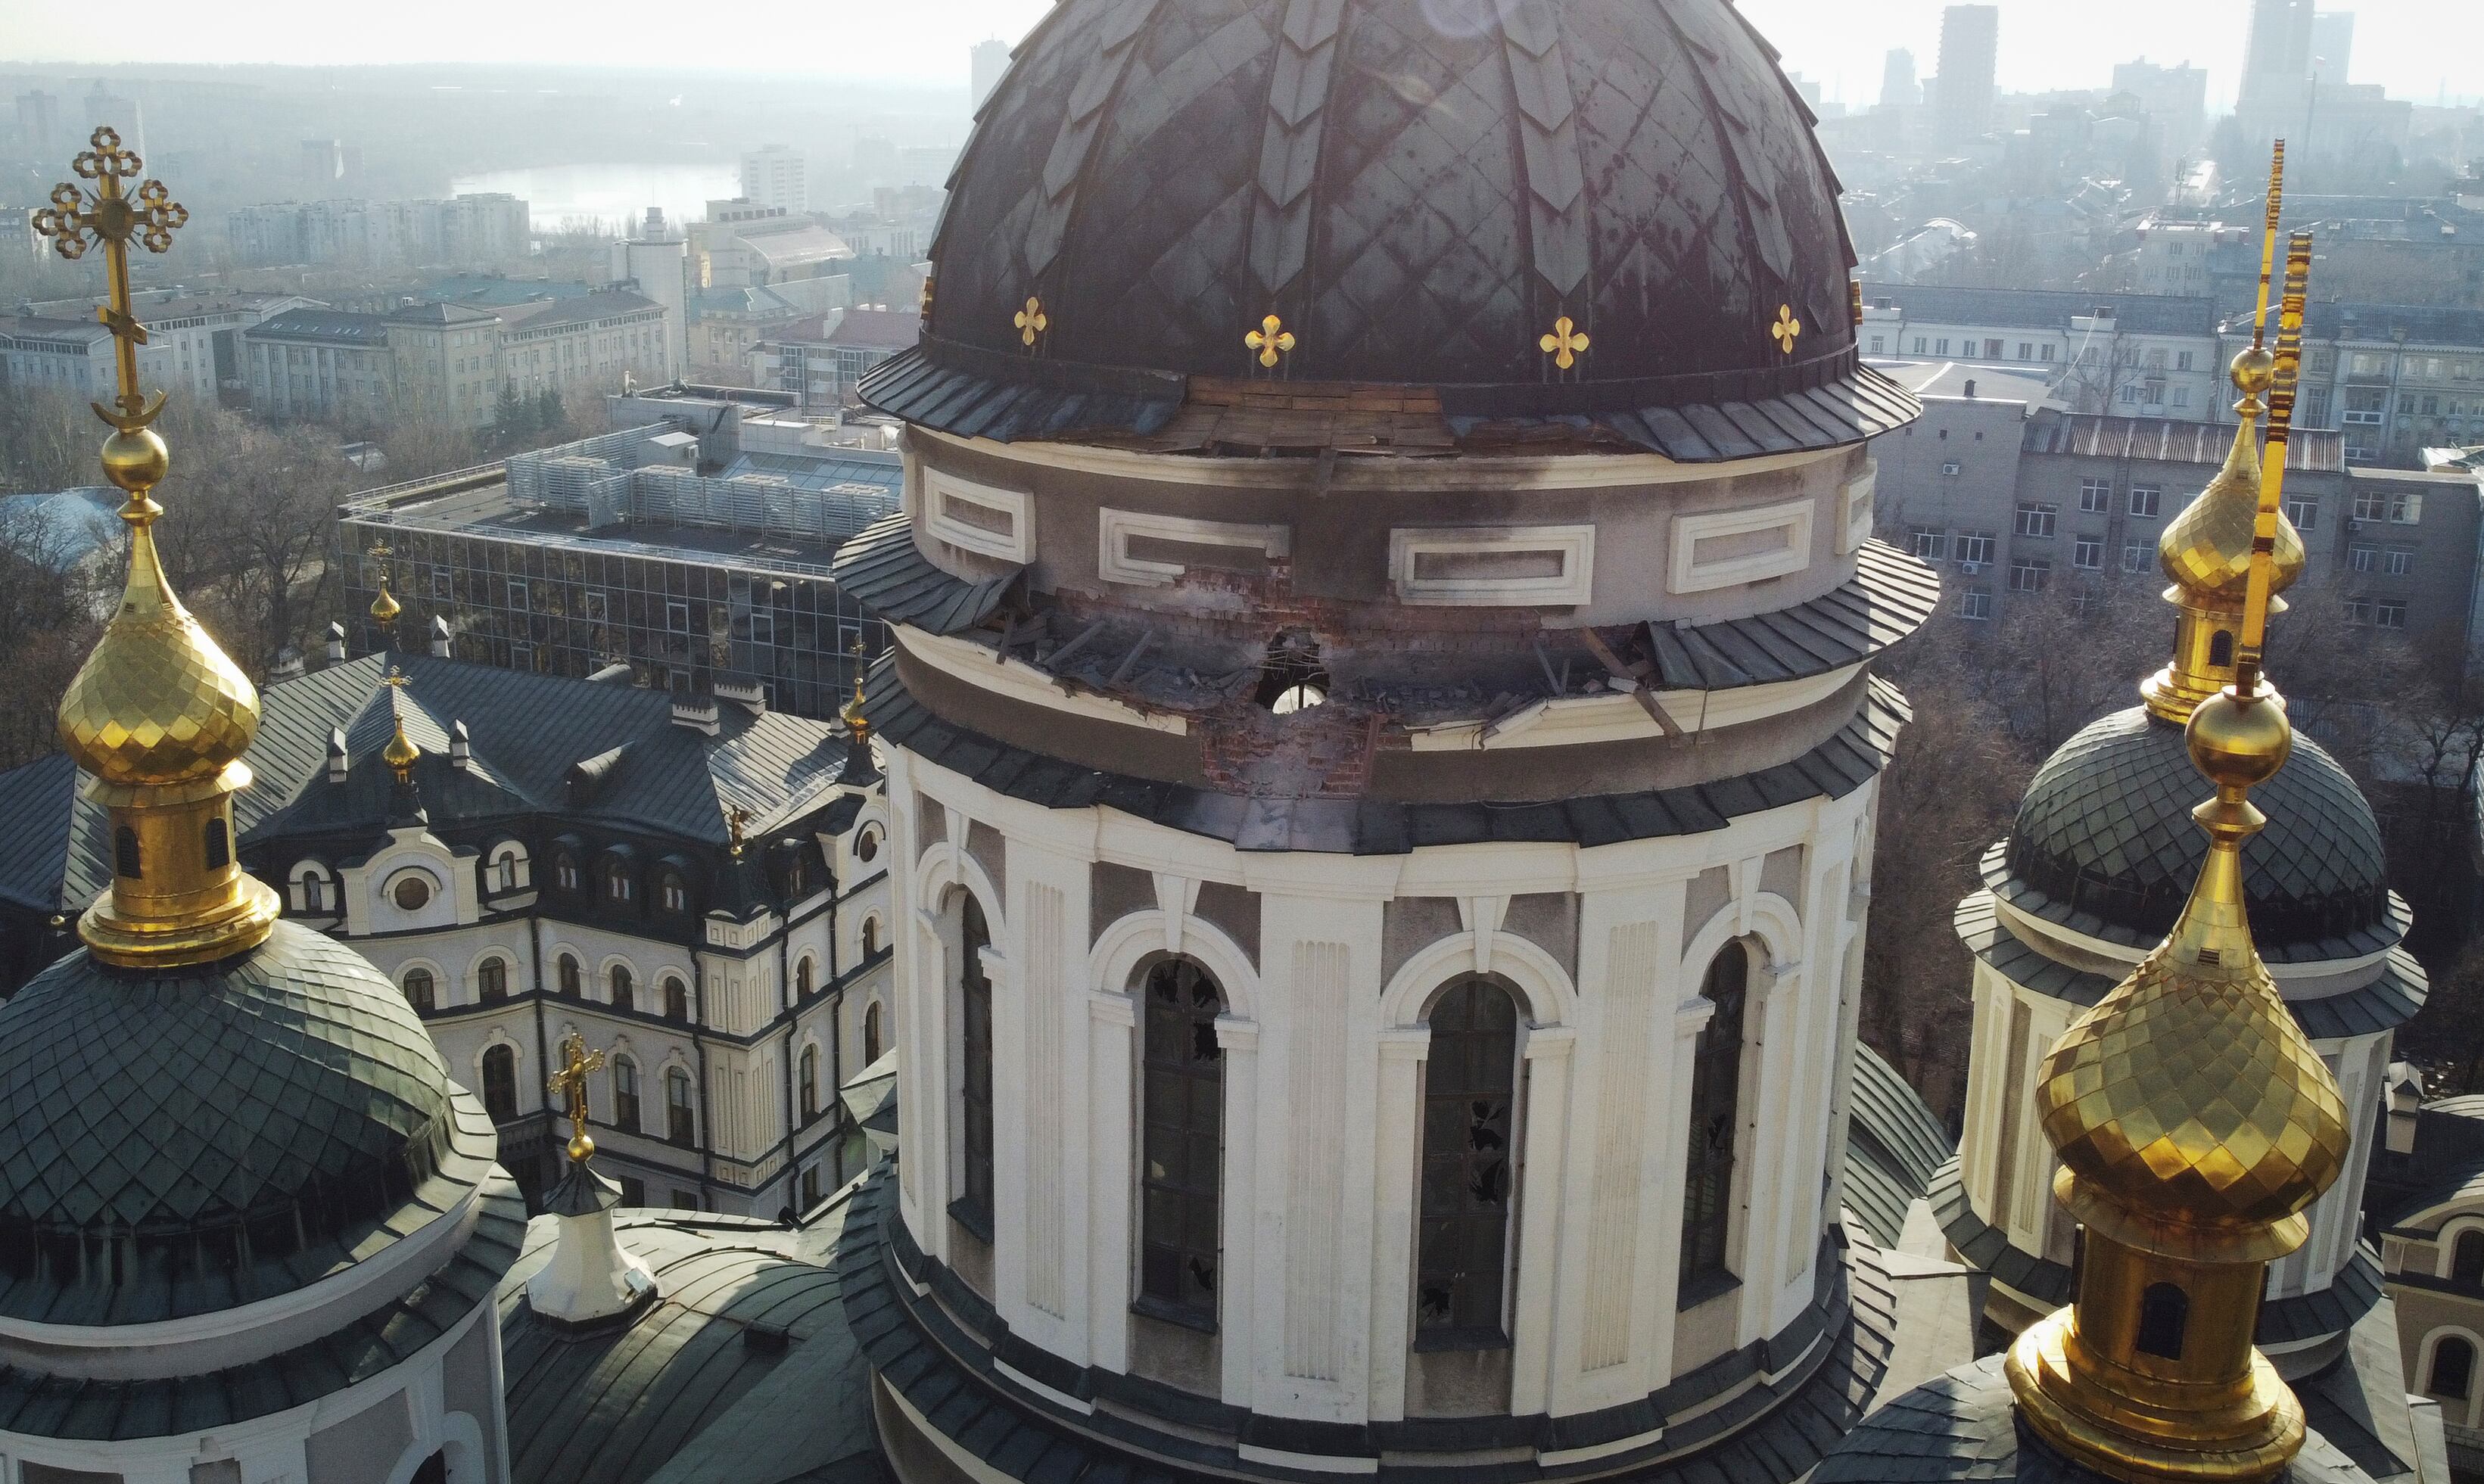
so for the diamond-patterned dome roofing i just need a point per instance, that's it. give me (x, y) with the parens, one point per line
(244, 1125)
(2105, 829)
(1422, 191)
(2190, 1093)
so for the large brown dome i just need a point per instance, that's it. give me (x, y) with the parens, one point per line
(1421, 192)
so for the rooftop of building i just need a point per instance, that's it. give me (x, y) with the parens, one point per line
(25, 322)
(574, 309)
(2170, 441)
(2045, 308)
(330, 326)
(1969, 381)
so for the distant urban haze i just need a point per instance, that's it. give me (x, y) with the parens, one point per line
(2407, 46)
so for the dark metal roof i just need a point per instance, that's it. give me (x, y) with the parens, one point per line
(1378, 826)
(242, 1129)
(105, 1409)
(2169, 440)
(882, 569)
(45, 865)
(1890, 597)
(1770, 1431)
(2388, 1000)
(1894, 1146)
(1418, 201)
(1964, 1425)
(2104, 843)
(696, 1386)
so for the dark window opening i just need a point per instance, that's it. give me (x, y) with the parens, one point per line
(1293, 679)
(679, 1126)
(432, 1471)
(2466, 1259)
(974, 1205)
(1470, 1098)
(1179, 1185)
(2453, 1368)
(624, 993)
(2164, 1318)
(500, 1084)
(677, 1000)
(625, 1099)
(569, 976)
(870, 1034)
(125, 853)
(1716, 1115)
(495, 980)
(219, 844)
(2221, 649)
(418, 988)
(808, 1079)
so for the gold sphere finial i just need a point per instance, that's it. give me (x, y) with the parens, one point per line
(2254, 370)
(2240, 742)
(136, 461)
(582, 1147)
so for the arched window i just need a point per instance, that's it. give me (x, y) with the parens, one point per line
(624, 1094)
(679, 1126)
(500, 1084)
(314, 892)
(802, 977)
(975, 1067)
(622, 989)
(871, 1048)
(219, 844)
(1716, 1114)
(2163, 1320)
(2453, 1368)
(809, 1079)
(2221, 649)
(418, 988)
(126, 862)
(870, 937)
(565, 871)
(2467, 1259)
(1183, 1069)
(494, 979)
(569, 976)
(677, 896)
(867, 844)
(618, 888)
(506, 873)
(1470, 1094)
(677, 998)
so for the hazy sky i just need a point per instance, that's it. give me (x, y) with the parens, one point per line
(2410, 46)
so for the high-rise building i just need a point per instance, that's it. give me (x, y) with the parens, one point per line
(116, 110)
(988, 60)
(1898, 86)
(2276, 68)
(39, 121)
(2333, 45)
(1969, 57)
(2176, 97)
(775, 175)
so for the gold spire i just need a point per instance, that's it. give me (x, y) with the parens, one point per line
(856, 721)
(400, 754)
(2206, 549)
(569, 1085)
(157, 713)
(737, 824)
(2193, 1121)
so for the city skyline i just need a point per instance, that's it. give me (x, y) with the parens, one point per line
(2402, 44)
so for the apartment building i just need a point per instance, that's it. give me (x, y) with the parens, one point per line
(191, 341)
(2128, 355)
(476, 227)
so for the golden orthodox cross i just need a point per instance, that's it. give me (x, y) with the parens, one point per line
(569, 1085)
(77, 219)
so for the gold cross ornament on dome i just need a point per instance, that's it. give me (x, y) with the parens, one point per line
(1271, 339)
(78, 219)
(569, 1085)
(1031, 321)
(1787, 327)
(1564, 343)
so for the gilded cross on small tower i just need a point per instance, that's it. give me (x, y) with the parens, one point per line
(569, 1085)
(77, 219)
(737, 826)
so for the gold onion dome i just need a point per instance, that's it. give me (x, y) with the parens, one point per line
(400, 754)
(156, 703)
(385, 607)
(2206, 549)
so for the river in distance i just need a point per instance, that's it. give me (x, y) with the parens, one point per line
(617, 196)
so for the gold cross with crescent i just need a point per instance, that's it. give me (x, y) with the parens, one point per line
(77, 219)
(569, 1085)
(1271, 340)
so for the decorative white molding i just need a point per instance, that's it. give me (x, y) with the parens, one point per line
(978, 518)
(1176, 895)
(963, 660)
(1618, 717)
(1453, 565)
(1854, 509)
(1757, 557)
(1481, 916)
(1115, 529)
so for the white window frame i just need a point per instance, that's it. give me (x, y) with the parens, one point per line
(1690, 575)
(1573, 587)
(1857, 501)
(1115, 530)
(1016, 544)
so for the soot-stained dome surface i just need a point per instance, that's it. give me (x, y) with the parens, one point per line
(1421, 192)
(2104, 842)
(193, 1140)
